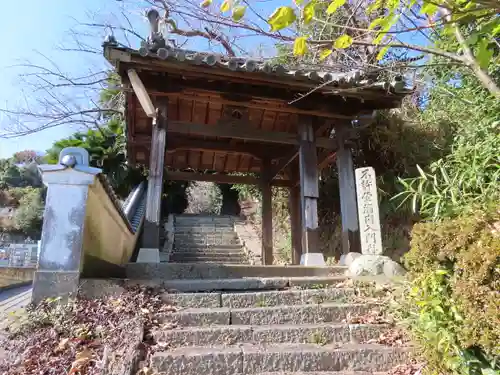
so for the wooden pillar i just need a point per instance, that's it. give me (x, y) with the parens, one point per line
(348, 203)
(267, 214)
(151, 235)
(295, 223)
(309, 190)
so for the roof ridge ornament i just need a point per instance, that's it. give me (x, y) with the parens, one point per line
(155, 43)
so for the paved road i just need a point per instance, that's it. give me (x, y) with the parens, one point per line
(13, 300)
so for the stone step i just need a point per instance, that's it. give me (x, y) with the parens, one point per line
(250, 359)
(206, 235)
(265, 298)
(206, 243)
(221, 290)
(203, 219)
(193, 247)
(198, 222)
(208, 252)
(299, 314)
(204, 227)
(210, 271)
(228, 262)
(320, 334)
(207, 257)
(285, 297)
(242, 284)
(222, 239)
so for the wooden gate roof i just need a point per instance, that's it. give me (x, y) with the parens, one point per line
(228, 114)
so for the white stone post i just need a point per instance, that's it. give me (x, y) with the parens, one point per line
(61, 255)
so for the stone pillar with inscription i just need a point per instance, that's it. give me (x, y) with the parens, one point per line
(61, 256)
(371, 261)
(368, 212)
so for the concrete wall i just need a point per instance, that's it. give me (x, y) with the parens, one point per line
(108, 243)
(11, 276)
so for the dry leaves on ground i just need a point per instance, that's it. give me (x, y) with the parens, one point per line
(70, 338)
(372, 317)
(414, 368)
(392, 337)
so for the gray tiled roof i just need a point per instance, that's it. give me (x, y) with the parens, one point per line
(354, 79)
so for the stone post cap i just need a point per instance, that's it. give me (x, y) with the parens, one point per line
(73, 168)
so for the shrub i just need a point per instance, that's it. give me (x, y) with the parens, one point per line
(453, 304)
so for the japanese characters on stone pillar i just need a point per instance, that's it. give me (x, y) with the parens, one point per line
(368, 211)
(61, 253)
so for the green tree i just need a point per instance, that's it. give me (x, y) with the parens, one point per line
(29, 215)
(106, 143)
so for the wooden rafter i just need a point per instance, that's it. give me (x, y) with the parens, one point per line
(239, 131)
(220, 178)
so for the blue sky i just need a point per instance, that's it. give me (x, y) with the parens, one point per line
(36, 33)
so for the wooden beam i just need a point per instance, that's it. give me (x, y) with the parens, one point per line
(295, 223)
(221, 178)
(267, 215)
(258, 151)
(309, 189)
(282, 164)
(348, 205)
(141, 93)
(151, 236)
(242, 131)
(213, 146)
(325, 159)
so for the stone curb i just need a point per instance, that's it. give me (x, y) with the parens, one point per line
(15, 285)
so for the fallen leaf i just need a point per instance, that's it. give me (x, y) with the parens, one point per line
(145, 371)
(82, 359)
(63, 345)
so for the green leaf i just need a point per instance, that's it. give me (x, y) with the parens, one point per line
(282, 18)
(325, 53)
(309, 11)
(429, 9)
(239, 12)
(383, 51)
(300, 46)
(377, 22)
(484, 54)
(343, 41)
(496, 30)
(299, 2)
(334, 5)
(225, 6)
(206, 3)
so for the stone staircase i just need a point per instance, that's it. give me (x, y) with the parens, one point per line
(252, 320)
(207, 239)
